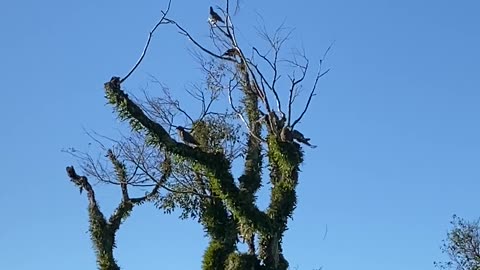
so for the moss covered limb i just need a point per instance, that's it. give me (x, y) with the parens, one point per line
(217, 166)
(221, 228)
(242, 261)
(252, 176)
(251, 179)
(284, 159)
(101, 231)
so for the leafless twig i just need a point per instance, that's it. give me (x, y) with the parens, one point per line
(161, 21)
(320, 74)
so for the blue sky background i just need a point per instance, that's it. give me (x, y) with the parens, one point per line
(396, 122)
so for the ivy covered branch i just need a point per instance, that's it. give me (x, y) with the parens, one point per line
(215, 163)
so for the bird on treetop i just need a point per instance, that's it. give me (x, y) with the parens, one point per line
(186, 137)
(215, 17)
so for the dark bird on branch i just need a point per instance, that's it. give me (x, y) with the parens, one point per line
(286, 134)
(231, 52)
(186, 137)
(300, 138)
(282, 121)
(272, 121)
(215, 17)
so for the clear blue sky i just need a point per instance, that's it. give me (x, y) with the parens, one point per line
(396, 122)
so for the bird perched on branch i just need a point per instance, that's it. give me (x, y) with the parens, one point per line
(214, 17)
(282, 120)
(286, 134)
(272, 120)
(231, 52)
(186, 137)
(301, 138)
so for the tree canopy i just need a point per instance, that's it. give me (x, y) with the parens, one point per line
(462, 245)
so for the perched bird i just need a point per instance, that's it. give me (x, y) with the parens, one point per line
(286, 134)
(272, 121)
(282, 120)
(115, 82)
(186, 137)
(300, 138)
(231, 52)
(214, 17)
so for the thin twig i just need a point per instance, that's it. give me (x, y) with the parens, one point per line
(295, 82)
(148, 43)
(312, 93)
(185, 33)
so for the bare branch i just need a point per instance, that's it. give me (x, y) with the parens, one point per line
(293, 87)
(166, 173)
(312, 93)
(185, 33)
(161, 21)
(276, 42)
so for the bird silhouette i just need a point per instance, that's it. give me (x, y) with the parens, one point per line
(286, 134)
(215, 17)
(186, 137)
(231, 52)
(297, 135)
(282, 120)
(272, 121)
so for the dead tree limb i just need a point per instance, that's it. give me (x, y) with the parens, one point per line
(150, 35)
